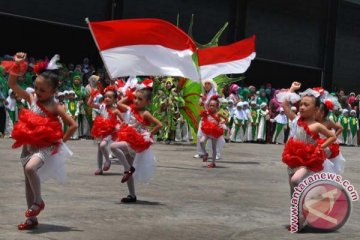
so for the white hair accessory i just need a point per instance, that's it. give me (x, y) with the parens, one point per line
(130, 83)
(30, 90)
(52, 64)
(310, 92)
(211, 81)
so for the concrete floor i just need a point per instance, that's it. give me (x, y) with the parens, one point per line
(245, 197)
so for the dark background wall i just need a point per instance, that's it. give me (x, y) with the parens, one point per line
(347, 48)
(316, 42)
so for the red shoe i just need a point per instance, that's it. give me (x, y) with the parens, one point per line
(127, 174)
(33, 213)
(205, 157)
(98, 172)
(107, 166)
(211, 165)
(28, 224)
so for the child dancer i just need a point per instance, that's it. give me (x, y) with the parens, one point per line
(212, 128)
(134, 139)
(104, 126)
(209, 90)
(336, 160)
(304, 135)
(354, 127)
(40, 133)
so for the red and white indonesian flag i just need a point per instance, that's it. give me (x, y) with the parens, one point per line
(233, 58)
(144, 47)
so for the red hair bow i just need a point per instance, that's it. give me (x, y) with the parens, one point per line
(329, 104)
(147, 83)
(110, 88)
(40, 66)
(215, 97)
(319, 90)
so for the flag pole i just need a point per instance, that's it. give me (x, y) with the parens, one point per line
(97, 45)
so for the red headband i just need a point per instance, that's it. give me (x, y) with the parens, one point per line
(110, 88)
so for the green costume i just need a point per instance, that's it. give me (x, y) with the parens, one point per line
(333, 117)
(168, 101)
(344, 121)
(73, 108)
(354, 126)
(4, 88)
(254, 115)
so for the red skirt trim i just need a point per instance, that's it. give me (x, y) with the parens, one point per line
(103, 127)
(36, 130)
(133, 138)
(211, 129)
(297, 154)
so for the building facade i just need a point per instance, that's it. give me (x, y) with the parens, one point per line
(315, 42)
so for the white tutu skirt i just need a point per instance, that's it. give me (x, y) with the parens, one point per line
(220, 144)
(144, 164)
(335, 165)
(283, 95)
(54, 166)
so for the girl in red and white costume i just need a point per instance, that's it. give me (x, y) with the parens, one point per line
(305, 152)
(40, 133)
(212, 127)
(209, 90)
(336, 161)
(134, 140)
(104, 127)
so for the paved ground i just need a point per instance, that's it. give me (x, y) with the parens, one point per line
(246, 197)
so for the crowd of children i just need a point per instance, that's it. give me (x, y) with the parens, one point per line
(257, 116)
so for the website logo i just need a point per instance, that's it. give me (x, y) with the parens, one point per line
(322, 201)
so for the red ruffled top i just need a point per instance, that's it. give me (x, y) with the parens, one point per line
(298, 153)
(138, 116)
(37, 130)
(129, 134)
(103, 127)
(210, 128)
